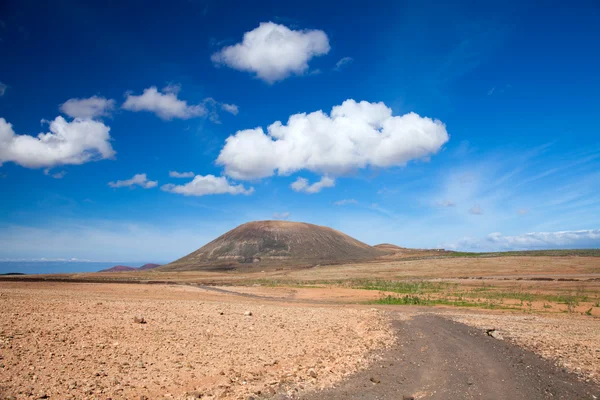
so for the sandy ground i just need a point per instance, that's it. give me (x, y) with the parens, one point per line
(65, 340)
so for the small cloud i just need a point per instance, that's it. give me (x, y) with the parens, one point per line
(446, 203)
(138, 180)
(302, 185)
(175, 174)
(342, 63)
(59, 175)
(475, 210)
(315, 71)
(522, 211)
(230, 108)
(273, 51)
(3, 88)
(89, 108)
(164, 104)
(491, 91)
(283, 215)
(345, 202)
(205, 185)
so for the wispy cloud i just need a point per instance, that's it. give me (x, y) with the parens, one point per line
(343, 62)
(281, 215)
(531, 241)
(140, 180)
(345, 202)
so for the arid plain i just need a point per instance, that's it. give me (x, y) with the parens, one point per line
(285, 332)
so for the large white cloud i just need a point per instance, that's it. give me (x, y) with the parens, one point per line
(165, 104)
(302, 185)
(140, 180)
(209, 184)
(273, 52)
(354, 135)
(90, 108)
(75, 142)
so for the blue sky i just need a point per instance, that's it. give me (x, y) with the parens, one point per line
(424, 124)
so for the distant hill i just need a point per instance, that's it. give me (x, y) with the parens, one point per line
(275, 243)
(148, 266)
(122, 268)
(389, 247)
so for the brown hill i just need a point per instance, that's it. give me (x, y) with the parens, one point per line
(118, 268)
(122, 268)
(389, 247)
(275, 243)
(146, 267)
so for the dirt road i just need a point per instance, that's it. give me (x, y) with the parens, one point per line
(436, 358)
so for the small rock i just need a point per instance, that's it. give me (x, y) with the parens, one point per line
(374, 379)
(248, 313)
(408, 397)
(312, 373)
(494, 333)
(193, 395)
(139, 364)
(138, 319)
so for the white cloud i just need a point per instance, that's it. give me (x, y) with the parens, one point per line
(282, 215)
(230, 108)
(273, 52)
(342, 62)
(446, 203)
(302, 185)
(345, 202)
(542, 240)
(90, 108)
(354, 135)
(56, 175)
(3, 88)
(530, 241)
(522, 211)
(476, 210)
(209, 184)
(175, 174)
(165, 104)
(137, 180)
(75, 142)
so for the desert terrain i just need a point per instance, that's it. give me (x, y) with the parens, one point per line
(314, 332)
(268, 311)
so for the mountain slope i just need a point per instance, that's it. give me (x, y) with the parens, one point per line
(275, 242)
(118, 268)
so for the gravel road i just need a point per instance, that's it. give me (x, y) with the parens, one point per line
(437, 358)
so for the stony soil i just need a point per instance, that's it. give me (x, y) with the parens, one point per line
(66, 340)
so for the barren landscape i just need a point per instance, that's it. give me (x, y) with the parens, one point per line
(292, 333)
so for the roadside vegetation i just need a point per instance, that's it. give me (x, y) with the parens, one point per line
(518, 296)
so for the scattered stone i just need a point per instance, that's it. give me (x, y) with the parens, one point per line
(139, 319)
(312, 373)
(139, 364)
(494, 333)
(408, 397)
(248, 313)
(374, 379)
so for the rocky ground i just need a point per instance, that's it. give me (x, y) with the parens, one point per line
(67, 340)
